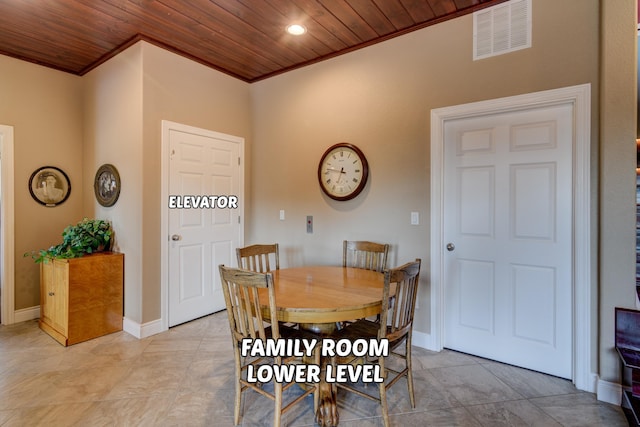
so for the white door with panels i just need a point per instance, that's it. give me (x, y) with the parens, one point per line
(201, 164)
(507, 227)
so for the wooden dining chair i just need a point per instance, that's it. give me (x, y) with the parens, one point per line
(260, 258)
(396, 325)
(366, 255)
(244, 310)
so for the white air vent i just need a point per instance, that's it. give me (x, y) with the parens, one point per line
(501, 29)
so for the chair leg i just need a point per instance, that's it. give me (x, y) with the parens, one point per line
(277, 413)
(236, 409)
(383, 404)
(383, 394)
(412, 397)
(238, 399)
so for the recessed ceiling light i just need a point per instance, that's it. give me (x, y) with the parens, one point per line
(296, 29)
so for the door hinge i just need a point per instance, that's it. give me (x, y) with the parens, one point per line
(238, 161)
(238, 220)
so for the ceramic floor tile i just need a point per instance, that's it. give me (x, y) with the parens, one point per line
(26, 389)
(171, 344)
(142, 412)
(50, 415)
(430, 394)
(425, 359)
(453, 417)
(185, 377)
(6, 415)
(82, 385)
(519, 413)
(529, 383)
(148, 381)
(201, 405)
(474, 384)
(581, 409)
(353, 407)
(258, 410)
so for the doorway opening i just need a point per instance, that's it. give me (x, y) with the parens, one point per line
(579, 98)
(198, 162)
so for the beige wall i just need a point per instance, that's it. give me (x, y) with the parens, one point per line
(126, 100)
(45, 108)
(113, 134)
(617, 173)
(380, 99)
(182, 91)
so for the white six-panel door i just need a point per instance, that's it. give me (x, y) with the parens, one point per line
(201, 163)
(508, 228)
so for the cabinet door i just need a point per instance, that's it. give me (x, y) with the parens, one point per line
(54, 289)
(46, 283)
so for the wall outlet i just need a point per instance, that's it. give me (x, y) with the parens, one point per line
(309, 224)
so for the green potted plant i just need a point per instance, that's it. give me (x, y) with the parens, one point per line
(86, 237)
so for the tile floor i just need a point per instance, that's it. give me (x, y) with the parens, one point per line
(184, 377)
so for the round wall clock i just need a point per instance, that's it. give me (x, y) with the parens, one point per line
(343, 171)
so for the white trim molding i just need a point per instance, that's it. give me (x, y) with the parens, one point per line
(609, 392)
(26, 314)
(7, 228)
(580, 99)
(423, 340)
(142, 330)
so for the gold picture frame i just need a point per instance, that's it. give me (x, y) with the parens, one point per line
(106, 185)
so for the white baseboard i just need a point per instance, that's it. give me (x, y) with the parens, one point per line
(605, 391)
(142, 330)
(25, 314)
(609, 392)
(424, 340)
(129, 326)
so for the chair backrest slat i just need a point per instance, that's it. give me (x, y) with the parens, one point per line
(240, 288)
(259, 257)
(397, 313)
(365, 255)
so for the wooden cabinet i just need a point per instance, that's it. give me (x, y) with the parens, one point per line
(82, 298)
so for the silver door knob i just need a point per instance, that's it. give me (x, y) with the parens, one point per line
(450, 247)
(176, 237)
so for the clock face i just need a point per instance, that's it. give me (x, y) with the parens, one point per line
(343, 171)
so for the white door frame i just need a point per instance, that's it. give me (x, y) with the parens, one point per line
(580, 97)
(168, 126)
(7, 229)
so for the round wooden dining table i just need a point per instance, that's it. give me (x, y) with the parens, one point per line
(317, 298)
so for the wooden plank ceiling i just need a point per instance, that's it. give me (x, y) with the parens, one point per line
(243, 38)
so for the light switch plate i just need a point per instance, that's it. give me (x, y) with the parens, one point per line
(281, 214)
(415, 218)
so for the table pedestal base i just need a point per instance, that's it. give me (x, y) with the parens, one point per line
(327, 415)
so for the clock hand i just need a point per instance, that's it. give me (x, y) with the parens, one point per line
(341, 172)
(336, 170)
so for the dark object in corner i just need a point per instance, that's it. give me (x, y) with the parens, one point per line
(628, 347)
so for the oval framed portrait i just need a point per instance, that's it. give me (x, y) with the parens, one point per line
(107, 185)
(49, 186)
